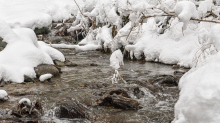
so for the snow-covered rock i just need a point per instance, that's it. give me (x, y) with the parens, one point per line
(23, 53)
(26, 101)
(3, 95)
(45, 77)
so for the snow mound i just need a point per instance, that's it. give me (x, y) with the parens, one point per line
(3, 95)
(200, 88)
(45, 77)
(116, 59)
(22, 53)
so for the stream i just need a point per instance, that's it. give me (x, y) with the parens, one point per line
(90, 80)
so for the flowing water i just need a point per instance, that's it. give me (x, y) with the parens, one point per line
(87, 83)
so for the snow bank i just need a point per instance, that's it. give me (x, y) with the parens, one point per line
(169, 48)
(22, 53)
(200, 88)
(37, 13)
(45, 77)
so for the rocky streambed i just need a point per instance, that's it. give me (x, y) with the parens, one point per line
(83, 92)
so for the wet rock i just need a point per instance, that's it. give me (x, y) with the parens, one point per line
(176, 67)
(59, 63)
(45, 69)
(70, 109)
(1, 48)
(2, 83)
(55, 40)
(28, 79)
(2, 44)
(165, 80)
(43, 30)
(27, 109)
(19, 92)
(120, 92)
(138, 93)
(69, 63)
(93, 64)
(118, 99)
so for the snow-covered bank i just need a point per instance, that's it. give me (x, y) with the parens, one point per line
(22, 53)
(36, 13)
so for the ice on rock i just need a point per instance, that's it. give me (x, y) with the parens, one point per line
(116, 59)
(45, 77)
(185, 10)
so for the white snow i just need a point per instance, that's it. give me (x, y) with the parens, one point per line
(185, 10)
(37, 13)
(26, 100)
(45, 77)
(3, 95)
(116, 59)
(22, 53)
(200, 88)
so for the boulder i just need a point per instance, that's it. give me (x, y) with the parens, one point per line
(45, 69)
(118, 99)
(70, 109)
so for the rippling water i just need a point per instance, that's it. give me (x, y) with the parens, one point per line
(92, 77)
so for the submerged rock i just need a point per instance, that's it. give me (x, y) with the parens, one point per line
(118, 99)
(70, 109)
(45, 69)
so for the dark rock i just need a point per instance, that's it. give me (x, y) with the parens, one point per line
(43, 30)
(45, 69)
(1, 48)
(25, 110)
(70, 109)
(2, 44)
(176, 67)
(118, 99)
(70, 64)
(93, 64)
(28, 79)
(138, 93)
(165, 80)
(120, 92)
(2, 83)
(59, 63)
